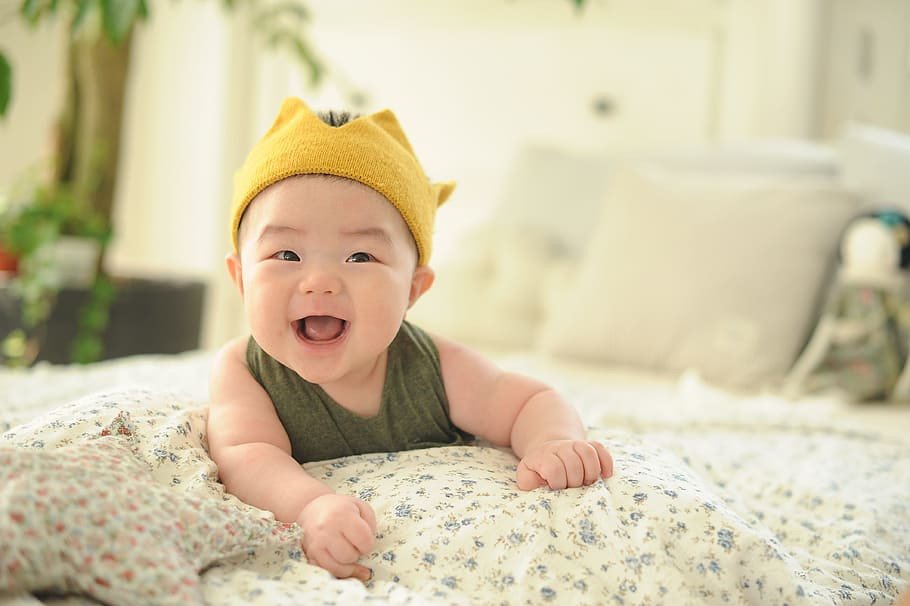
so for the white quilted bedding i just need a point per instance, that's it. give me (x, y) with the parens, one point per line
(716, 499)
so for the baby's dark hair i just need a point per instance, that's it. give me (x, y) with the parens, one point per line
(336, 117)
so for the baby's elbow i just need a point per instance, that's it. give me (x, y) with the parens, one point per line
(221, 455)
(233, 463)
(516, 399)
(217, 438)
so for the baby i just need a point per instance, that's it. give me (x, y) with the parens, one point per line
(332, 220)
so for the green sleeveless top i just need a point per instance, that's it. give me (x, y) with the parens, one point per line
(413, 412)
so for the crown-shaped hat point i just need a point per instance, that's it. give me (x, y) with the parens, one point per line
(290, 107)
(387, 121)
(372, 149)
(442, 191)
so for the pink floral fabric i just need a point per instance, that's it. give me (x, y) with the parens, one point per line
(90, 518)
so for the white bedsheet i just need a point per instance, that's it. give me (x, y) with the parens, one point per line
(717, 498)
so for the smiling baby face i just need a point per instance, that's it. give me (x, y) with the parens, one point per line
(327, 268)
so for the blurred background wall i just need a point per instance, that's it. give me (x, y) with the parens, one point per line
(473, 82)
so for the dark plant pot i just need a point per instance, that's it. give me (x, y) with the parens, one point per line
(146, 317)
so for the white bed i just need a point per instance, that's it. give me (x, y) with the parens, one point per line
(716, 499)
(722, 494)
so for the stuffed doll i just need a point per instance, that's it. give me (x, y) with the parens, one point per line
(860, 346)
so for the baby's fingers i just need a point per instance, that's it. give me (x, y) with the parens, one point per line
(362, 573)
(527, 478)
(367, 513)
(553, 470)
(360, 536)
(341, 570)
(342, 552)
(573, 464)
(606, 460)
(590, 461)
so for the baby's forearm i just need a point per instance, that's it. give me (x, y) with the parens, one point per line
(264, 476)
(545, 416)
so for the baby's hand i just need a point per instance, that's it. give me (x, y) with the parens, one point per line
(564, 464)
(337, 530)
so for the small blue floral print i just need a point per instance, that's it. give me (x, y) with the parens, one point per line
(587, 532)
(725, 538)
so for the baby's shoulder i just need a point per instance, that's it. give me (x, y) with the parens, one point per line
(230, 357)
(235, 349)
(230, 374)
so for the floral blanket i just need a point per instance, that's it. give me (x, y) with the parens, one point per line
(112, 498)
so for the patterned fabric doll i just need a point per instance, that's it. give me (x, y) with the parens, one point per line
(860, 347)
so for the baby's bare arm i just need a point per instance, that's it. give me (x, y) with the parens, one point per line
(253, 453)
(249, 444)
(510, 409)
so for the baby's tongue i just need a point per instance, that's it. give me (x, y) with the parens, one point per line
(322, 328)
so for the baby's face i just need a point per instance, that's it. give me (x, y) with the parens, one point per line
(327, 268)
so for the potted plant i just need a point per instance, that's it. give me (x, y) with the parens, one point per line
(44, 259)
(77, 199)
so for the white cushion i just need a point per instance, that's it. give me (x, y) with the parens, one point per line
(876, 163)
(793, 157)
(547, 181)
(721, 273)
(492, 294)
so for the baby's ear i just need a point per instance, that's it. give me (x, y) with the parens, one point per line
(420, 283)
(232, 260)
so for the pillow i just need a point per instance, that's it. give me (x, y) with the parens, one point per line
(876, 165)
(89, 519)
(772, 157)
(491, 295)
(718, 273)
(544, 175)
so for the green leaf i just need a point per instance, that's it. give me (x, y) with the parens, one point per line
(83, 8)
(103, 291)
(94, 318)
(6, 84)
(301, 49)
(86, 350)
(35, 10)
(14, 344)
(143, 9)
(31, 10)
(273, 15)
(308, 58)
(118, 17)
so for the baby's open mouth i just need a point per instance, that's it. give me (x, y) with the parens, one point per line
(321, 328)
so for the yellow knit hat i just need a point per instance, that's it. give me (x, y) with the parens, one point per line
(370, 149)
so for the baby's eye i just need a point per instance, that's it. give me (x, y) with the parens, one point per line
(361, 257)
(286, 255)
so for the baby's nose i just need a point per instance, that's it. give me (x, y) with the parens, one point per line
(320, 280)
